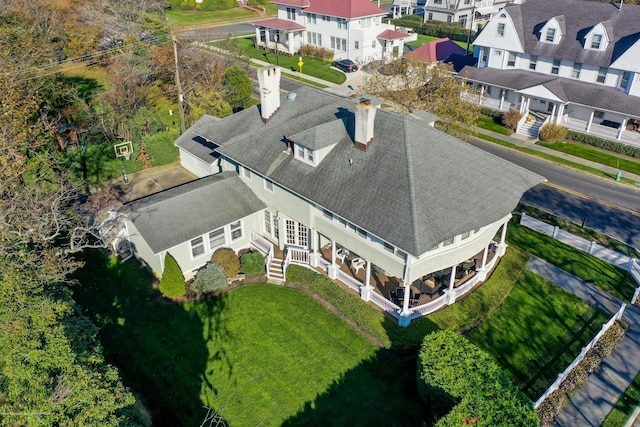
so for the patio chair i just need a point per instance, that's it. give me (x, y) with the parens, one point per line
(357, 264)
(341, 254)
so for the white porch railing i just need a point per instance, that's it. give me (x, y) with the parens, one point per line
(296, 255)
(264, 246)
(522, 120)
(388, 306)
(562, 376)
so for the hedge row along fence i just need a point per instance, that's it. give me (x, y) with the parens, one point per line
(607, 144)
(434, 28)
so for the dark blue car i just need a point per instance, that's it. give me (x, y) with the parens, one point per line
(345, 65)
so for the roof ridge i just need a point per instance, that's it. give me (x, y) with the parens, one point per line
(411, 187)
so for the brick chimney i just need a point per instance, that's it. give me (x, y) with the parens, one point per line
(365, 115)
(269, 80)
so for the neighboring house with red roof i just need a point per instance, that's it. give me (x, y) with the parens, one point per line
(436, 50)
(352, 29)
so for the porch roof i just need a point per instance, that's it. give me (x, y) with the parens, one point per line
(597, 96)
(279, 24)
(392, 35)
(181, 213)
(414, 187)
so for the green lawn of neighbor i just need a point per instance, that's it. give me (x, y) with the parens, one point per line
(422, 39)
(312, 66)
(185, 18)
(489, 124)
(591, 269)
(624, 163)
(538, 332)
(625, 406)
(262, 355)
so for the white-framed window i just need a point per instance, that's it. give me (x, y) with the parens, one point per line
(498, 52)
(449, 18)
(533, 62)
(437, 1)
(246, 173)
(267, 222)
(500, 30)
(373, 44)
(463, 21)
(484, 53)
(555, 67)
(596, 41)
(268, 185)
(575, 73)
(291, 13)
(356, 45)
(602, 74)
(624, 80)
(551, 35)
(311, 18)
(466, 235)
(448, 242)
(297, 234)
(339, 44)
(305, 154)
(326, 18)
(366, 22)
(467, 1)
(511, 60)
(216, 238)
(314, 38)
(236, 230)
(342, 23)
(430, 16)
(197, 247)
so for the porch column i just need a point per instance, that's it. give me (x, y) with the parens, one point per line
(314, 245)
(502, 246)
(451, 292)
(522, 103)
(258, 40)
(622, 127)
(560, 114)
(590, 121)
(481, 93)
(502, 91)
(266, 37)
(367, 289)
(528, 104)
(405, 312)
(290, 43)
(553, 112)
(332, 270)
(482, 271)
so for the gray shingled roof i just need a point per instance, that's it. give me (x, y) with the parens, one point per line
(579, 18)
(414, 187)
(182, 213)
(569, 90)
(193, 142)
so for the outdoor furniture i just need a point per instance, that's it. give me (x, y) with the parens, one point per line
(430, 287)
(357, 264)
(342, 254)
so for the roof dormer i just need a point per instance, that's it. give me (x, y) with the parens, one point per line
(553, 30)
(599, 36)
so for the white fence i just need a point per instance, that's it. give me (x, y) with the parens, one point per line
(585, 349)
(622, 261)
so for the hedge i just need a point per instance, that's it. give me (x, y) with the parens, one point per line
(252, 263)
(490, 112)
(172, 283)
(435, 28)
(607, 144)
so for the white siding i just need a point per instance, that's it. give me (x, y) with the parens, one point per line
(490, 37)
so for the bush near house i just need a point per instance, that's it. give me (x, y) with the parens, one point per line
(552, 132)
(438, 29)
(316, 52)
(607, 144)
(511, 118)
(210, 278)
(228, 259)
(252, 263)
(172, 283)
(464, 385)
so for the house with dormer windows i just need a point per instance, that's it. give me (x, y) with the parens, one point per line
(571, 62)
(390, 207)
(352, 29)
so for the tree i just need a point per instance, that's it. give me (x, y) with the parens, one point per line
(172, 283)
(239, 88)
(412, 85)
(210, 278)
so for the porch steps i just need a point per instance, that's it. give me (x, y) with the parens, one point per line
(276, 269)
(532, 128)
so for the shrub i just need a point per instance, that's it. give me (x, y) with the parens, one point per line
(434, 28)
(607, 144)
(490, 112)
(458, 379)
(229, 261)
(239, 88)
(252, 263)
(210, 278)
(511, 118)
(172, 282)
(552, 132)
(316, 52)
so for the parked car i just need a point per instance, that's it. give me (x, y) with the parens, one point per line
(345, 65)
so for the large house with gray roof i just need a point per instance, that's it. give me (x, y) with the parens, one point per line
(399, 212)
(570, 62)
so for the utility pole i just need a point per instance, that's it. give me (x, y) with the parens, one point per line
(473, 14)
(178, 85)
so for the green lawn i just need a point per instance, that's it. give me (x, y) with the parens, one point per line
(422, 39)
(185, 18)
(591, 269)
(538, 332)
(312, 66)
(624, 163)
(489, 124)
(262, 355)
(625, 406)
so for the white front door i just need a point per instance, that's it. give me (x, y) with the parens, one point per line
(297, 234)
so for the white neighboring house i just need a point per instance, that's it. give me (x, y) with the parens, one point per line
(396, 210)
(469, 13)
(555, 62)
(352, 29)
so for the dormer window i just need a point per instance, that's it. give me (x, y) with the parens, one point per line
(596, 41)
(598, 37)
(551, 35)
(305, 154)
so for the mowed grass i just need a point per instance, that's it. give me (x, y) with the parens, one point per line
(184, 18)
(261, 355)
(422, 39)
(538, 332)
(625, 406)
(489, 124)
(607, 277)
(624, 163)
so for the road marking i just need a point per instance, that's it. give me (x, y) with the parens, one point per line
(593, 199)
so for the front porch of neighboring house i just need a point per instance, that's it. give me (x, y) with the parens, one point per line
(277, 39)
(537, 111)
(402, 301)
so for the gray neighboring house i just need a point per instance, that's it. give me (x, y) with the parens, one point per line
(396, 210)
(569, 62)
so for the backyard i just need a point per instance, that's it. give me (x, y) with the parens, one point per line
(269, 355)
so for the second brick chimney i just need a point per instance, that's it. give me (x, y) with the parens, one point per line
(365, 115)
(269, 81)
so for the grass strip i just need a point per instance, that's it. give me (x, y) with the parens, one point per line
(583, 151)
(625, 406)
